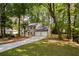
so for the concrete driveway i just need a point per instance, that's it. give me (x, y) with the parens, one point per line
(8, 46)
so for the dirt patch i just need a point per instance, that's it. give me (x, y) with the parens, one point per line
(62, 42)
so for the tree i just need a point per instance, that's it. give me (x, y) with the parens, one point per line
(19, 10)
(52, 13)
(75, 23)
(3, 18)
(69, 22)
(24, 25)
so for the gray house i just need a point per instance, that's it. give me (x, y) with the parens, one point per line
(31, 29)
(37, 29)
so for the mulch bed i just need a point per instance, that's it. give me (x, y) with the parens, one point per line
(11, 40)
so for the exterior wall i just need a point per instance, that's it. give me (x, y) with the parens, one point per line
(39, 33)
(31, 30)
(37, 30)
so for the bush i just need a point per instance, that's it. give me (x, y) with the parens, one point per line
(76, 35)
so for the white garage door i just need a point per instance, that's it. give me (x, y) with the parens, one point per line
(41, 33)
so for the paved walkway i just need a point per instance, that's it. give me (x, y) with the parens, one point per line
(8, 46)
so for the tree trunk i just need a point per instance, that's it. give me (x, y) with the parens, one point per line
(1, 28)
(19, 26)
(52, 13)
(69, 22)
(3, 18)
(75, 17)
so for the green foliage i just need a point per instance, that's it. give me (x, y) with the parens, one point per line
(76, 31)
(41, 13)
(24, 24)
(8, 23)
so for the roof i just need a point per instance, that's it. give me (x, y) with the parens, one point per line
(39, 27)
(42, 28)
(32, 24)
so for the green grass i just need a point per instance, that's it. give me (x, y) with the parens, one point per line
(43, 48)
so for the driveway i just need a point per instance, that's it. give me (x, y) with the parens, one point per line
(8, 46)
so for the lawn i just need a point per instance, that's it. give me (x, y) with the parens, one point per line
(43, 48)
